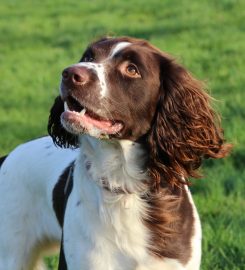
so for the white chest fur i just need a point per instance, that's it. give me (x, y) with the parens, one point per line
(103, 228)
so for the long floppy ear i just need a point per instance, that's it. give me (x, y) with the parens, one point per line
(60, 136)
(185, 129)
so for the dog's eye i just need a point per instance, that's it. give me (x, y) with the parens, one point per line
(132, 71)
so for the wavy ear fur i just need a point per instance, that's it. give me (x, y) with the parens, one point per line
(60, 136)
(185, 129)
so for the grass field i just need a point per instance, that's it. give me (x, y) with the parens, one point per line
(39, 38)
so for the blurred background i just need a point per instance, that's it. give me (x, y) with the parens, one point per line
(39, 38)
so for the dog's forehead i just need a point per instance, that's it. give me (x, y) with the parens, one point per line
(109, 47)
(124, 48)
(119, 47)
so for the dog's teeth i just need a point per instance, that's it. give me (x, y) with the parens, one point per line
(82, 112)
(66, 106)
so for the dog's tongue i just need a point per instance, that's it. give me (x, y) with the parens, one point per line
(88, 122)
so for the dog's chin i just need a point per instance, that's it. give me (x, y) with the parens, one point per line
(83, 123)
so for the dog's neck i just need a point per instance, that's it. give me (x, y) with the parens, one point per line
(114, 164)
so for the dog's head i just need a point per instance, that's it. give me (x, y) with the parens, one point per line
(113, 91)
(125, 88)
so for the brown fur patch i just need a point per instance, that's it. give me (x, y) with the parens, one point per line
(170, 222)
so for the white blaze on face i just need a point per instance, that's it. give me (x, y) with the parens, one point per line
(100, 71)
(118, 47)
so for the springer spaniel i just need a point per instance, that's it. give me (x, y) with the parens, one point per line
(133, 126)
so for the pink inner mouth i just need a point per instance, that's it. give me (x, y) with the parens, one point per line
(89, 121)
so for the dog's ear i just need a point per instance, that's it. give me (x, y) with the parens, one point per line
(185, 129)
(60, 136)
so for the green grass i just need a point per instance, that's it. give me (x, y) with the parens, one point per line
(38, 39)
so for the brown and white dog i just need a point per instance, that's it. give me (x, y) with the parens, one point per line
(133, 126)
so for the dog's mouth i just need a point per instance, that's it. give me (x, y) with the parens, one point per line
(79, 117)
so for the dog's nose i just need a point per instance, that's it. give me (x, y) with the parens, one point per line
(75, 75)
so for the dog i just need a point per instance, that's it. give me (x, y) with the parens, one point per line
(111, 183)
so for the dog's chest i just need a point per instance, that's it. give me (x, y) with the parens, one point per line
(99, 222)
